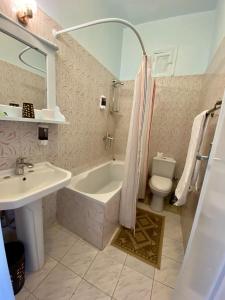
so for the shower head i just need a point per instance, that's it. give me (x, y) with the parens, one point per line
(117, 82)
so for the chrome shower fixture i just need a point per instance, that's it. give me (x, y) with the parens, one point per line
(117, 82)
(115, 105)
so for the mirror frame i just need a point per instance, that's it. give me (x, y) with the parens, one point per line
(20, 33)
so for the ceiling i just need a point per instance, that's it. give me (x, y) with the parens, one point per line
(137, 11)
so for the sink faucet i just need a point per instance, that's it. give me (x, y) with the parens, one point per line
(20, 164)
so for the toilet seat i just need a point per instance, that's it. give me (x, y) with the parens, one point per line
(160, 184)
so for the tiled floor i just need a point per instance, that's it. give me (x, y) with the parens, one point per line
(76, 270)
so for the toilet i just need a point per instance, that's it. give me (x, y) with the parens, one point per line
(160, 182)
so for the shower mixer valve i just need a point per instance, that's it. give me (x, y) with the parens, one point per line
(108, 139)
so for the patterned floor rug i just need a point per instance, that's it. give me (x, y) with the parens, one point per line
(146, 243)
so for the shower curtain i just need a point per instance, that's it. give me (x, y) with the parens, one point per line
(136, 161)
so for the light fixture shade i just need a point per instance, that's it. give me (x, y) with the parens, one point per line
(24, 5)
(25, 10)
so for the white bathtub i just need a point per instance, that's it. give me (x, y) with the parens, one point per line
(89, 205)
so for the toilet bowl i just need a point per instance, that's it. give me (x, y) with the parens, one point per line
(160, 187)
(161, 181)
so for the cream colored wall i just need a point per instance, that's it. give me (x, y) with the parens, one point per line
(176, 105)
(81, 80)
(19, 85)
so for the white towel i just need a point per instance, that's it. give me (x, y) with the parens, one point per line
(194, 145)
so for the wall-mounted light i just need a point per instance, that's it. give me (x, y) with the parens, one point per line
(25, 10)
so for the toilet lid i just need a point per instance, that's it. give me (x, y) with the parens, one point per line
(161, 183)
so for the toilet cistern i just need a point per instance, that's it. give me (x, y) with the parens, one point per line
(160, 183)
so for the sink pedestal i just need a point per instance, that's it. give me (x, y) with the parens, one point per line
(23, 194)
(29, 228)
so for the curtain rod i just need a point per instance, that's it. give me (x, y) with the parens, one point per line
(102, 21)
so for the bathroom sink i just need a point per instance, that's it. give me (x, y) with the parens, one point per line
(24, 194)
(17, 191)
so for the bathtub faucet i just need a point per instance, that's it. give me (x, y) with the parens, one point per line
(108, 139)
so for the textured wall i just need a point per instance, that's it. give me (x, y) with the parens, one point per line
(212, 91)
(19, 85)
(176, 105)
(81, 80)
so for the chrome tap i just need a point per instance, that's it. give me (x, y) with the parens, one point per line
(20, 164)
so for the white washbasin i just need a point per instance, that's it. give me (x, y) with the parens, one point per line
(24, 194)
(17, 191)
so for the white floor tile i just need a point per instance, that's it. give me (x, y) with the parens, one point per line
(133, 285)
(87, 291)
(115, 253)
(172, 216)
(79, 257)
(173, 230)
(60, 284)
(58, 242)
(34, 279)
(24, 294)
(104, 273)
(140, 266)
(173, 249)
(161, 292)
(168, 272)
(60, 227)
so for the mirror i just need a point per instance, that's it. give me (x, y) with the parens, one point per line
(27, 75)
(23, 73)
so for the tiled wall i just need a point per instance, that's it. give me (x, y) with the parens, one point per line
(176, 105)
(212, 91)
(19, 85)
(81, 80)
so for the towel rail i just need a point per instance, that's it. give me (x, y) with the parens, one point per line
(202, 157)
(216, 107)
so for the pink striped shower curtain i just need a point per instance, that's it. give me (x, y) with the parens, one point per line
(136, 161)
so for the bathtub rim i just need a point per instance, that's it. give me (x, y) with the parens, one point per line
(104, 197)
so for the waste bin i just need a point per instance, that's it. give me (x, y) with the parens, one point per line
(16, 263)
